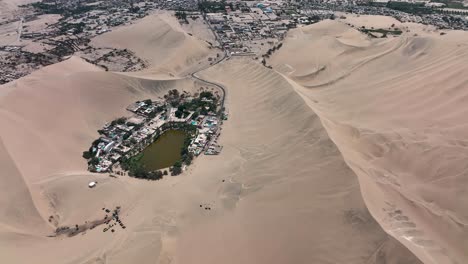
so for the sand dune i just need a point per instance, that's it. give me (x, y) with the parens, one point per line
(18, 213)
(298, 202)
(278, 197)
(287, 195)
(8, 8)
(49, 118)
(397, 118)
(160, 40)
(284, 189)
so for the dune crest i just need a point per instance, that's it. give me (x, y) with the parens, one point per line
(280, 192)
(395, 111)
(161, 41)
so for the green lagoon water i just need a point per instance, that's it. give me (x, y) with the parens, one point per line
(165, 151)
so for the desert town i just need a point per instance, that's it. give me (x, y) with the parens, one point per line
(124, 138)
(50, 31)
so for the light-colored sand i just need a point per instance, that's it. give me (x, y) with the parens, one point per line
(287, 195)
(41, 159)
(297, 201)
(160, 40)
(396, 112)
(296, 138)
(9, 8)
(200, 29)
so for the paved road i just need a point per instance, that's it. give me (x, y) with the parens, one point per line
(220, 86)
(194, 74)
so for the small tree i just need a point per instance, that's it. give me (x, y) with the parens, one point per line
(177, 168)
(176, 171)
(119, 121)
(87, 155)
(94, 161)
(179, 114)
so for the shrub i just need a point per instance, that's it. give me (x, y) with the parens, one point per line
(176, 171)
(119, 121)
(94, 161)
(87, 155)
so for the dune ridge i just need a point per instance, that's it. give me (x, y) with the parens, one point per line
(281, 127)
(280, 192)
(398, 121)
(161, 41)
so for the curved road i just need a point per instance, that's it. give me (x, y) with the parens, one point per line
(213, 83)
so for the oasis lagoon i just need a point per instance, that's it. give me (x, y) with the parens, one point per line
(165, 151)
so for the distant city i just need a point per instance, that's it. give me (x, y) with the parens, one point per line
(51, 30)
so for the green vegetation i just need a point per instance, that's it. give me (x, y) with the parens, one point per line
(52, 7)
(173, 97)
(206, 94)
(382, 31)
(205, 103)
(176, 169)
(186, 158)
(182, 16)
(136, 169)
(269, 53)
(212, 6)
(159, 149)
(87, 155)
(181, 111)
(119, 121)
(411, 8)
(76, 27)
(94, 161)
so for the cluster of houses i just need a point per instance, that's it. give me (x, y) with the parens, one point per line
(244, 28)
(208, 132)
(125, 137)
(252, 27)
(414, 11)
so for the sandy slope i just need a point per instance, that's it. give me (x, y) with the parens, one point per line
(49, 118)
(297, 200)
(287, 197)
(396, 112)
(160, 40)
(280, 192)
(8, 8)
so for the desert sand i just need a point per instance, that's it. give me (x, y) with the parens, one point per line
(353, 154)
(394, 108)
(166, 46)
(8, 8)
